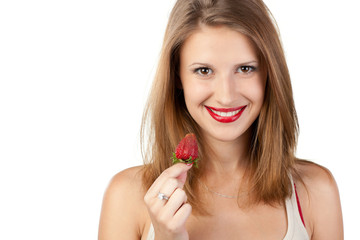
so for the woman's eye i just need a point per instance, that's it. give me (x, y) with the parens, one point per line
(203, 71)
(246, 69)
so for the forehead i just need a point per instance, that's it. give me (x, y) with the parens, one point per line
(218, 43)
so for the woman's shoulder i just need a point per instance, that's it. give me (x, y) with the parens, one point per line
(123, 206)
(127, 176)
(315, 181)
(314, 175)
(320, 200)
(127, 184)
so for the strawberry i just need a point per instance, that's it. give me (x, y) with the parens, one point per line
(187, 150)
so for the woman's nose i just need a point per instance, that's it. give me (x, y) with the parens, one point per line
(225, 90)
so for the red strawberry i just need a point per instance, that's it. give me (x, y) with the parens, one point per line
(187, 150)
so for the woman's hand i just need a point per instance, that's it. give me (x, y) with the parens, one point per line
(169, 216)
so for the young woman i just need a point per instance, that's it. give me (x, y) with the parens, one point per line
(223, 76)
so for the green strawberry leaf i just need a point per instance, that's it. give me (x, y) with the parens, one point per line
(187, 161)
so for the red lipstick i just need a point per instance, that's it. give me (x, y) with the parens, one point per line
(226, 115)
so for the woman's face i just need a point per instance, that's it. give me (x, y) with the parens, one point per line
(222, 80)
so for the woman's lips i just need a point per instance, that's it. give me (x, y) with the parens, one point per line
(226, 115)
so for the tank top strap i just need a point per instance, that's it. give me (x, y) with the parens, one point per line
(151, 233)
(296, 228)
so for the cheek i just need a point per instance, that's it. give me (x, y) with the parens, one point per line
(195, 93)
(254, 90)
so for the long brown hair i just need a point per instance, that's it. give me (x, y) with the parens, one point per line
(274, 136)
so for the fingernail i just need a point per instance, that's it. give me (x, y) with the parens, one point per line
(189, 164)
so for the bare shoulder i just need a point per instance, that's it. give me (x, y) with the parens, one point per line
(320, 200)
(122, 213)
(315, 176)
(126, 178)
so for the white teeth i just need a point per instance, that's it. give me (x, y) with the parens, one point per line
(226, 114)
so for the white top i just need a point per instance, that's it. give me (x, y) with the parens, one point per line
(296, 229)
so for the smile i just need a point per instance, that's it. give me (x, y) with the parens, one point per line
(226, 115)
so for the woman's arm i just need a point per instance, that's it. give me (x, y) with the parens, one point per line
(324, 208)
(123, 209)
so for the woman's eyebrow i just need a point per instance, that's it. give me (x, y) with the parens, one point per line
(209, 65)
(199, 63)
(249, 62)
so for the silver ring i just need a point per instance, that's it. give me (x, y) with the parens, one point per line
(162, 196)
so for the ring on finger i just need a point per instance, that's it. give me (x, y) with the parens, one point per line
(162, 196)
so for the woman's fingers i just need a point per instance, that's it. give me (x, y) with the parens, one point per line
(169, 214)
(177, 199)
(174, 214)
(168, 188)
(174, 172)
(181, 216)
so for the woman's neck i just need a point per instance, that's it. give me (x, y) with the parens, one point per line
(228, 158)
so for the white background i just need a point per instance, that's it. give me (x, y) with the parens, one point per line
(74, 77)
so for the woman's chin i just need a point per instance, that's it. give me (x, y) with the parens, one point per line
(226, 136)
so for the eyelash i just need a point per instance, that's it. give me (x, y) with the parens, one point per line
(251, 69)
(197, 70)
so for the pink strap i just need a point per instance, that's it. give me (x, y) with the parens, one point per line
(299, 207)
